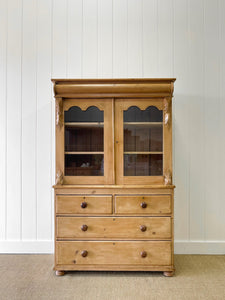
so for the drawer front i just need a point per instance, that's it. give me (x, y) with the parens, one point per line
(83, 205)
(156, 253)
(143, 204)
(114, 228)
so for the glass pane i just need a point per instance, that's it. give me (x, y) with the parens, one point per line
(143, 142)
(84, 142)
(84, 165)
(143, 165)
(80, 138)
(150, 114)
(92, 114)
(143, 137)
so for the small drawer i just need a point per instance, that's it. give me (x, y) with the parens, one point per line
(113, 227)
(152, 253)
(143, 204)
(83, 205)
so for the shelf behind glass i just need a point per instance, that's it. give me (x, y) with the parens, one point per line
(84, 139)
(84, 164)
(143, 138)
(143, 164)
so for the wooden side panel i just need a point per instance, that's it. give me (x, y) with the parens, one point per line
(114, 227)
(167, 139)
(72, 204)
(59, 143)
(113, 253)
(155, 204)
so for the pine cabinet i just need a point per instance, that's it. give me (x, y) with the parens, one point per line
(114, 190)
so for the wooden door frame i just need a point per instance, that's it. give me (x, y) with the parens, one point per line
(162, 104)
(103, 104)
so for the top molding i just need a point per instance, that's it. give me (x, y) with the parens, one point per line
(123, 88)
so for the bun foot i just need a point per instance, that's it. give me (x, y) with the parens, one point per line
(168, 273)
(59, 273)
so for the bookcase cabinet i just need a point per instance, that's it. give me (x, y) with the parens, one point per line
(114, 190)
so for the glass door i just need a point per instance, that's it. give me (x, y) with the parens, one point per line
(88, 141)
(140, 151)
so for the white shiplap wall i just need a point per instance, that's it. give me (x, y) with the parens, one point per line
(44, 39)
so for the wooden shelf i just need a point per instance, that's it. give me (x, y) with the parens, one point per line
(76, 152)
(143, 123)
(139, 152)
(84, 124)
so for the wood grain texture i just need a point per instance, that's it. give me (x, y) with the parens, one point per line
(103, 87)
(115, 252)
(94, 204)
(113, 228)
(157, 204)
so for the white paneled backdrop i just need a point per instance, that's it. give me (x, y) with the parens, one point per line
(44, 39)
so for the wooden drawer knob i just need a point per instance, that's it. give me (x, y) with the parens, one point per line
(143, 204)
(143, 253)
(83, 204)
(84, 253)
(143, 228)
(84, 227)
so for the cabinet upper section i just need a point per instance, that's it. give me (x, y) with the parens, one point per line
(101, 88)
(113, 131)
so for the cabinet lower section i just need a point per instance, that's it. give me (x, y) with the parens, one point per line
(114, 229)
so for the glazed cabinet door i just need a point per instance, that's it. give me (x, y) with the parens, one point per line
(84, 141)
(143, 141)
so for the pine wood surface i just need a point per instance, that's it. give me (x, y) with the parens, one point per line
(113, 227)
(157, 204)
(113, 252)
(127, 221)
(94, 204)
(113, 87)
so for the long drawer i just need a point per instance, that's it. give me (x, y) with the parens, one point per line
(83, 204)
(155, 253)
(143, 204)
(113, 227)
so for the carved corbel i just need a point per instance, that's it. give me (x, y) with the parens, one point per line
(59, 178)
(167, 108)
(59, 113)
(168, 177)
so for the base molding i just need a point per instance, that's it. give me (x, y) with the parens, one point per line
(200, 247)
(27, 247)
(47, 247)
